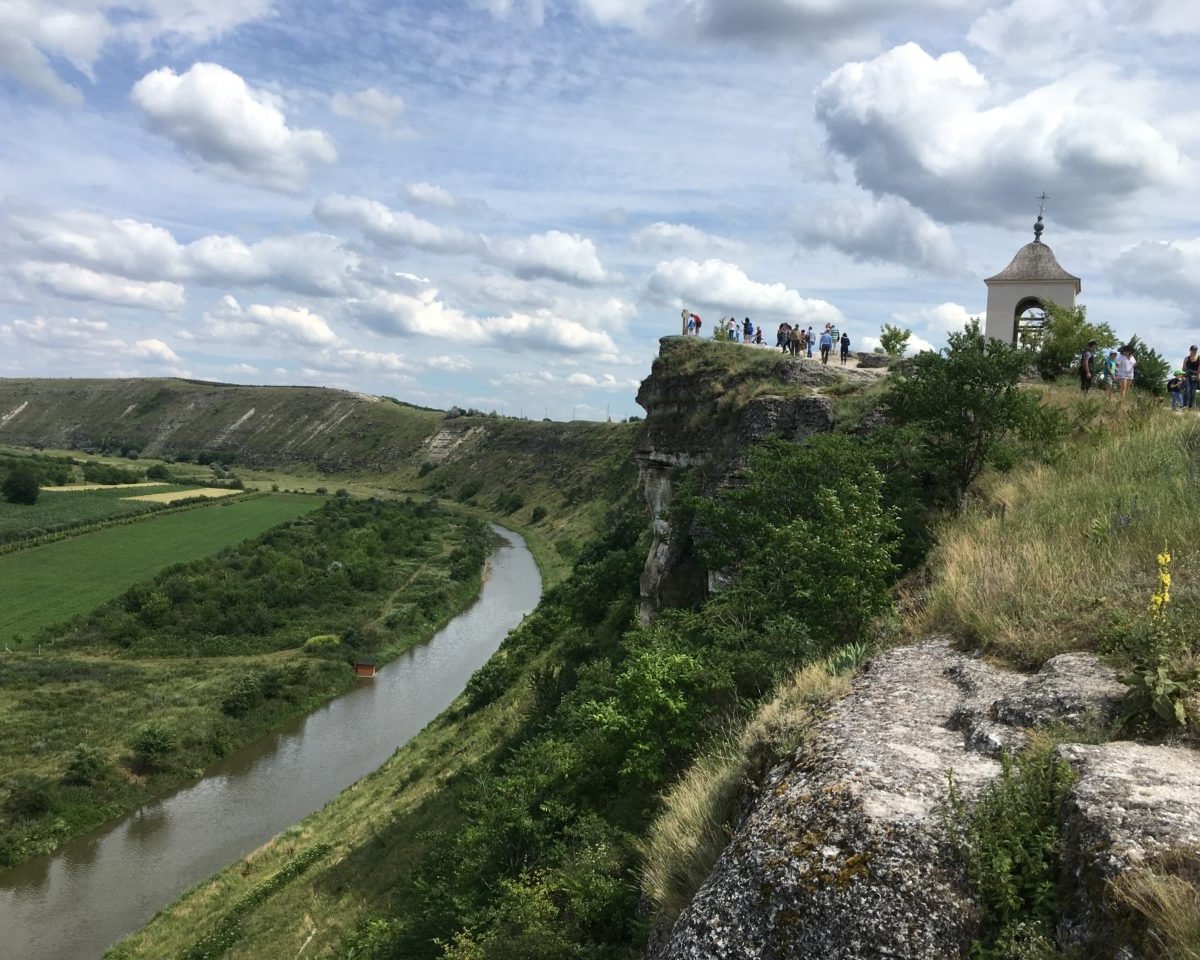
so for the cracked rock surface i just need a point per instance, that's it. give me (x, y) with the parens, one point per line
(845, 855)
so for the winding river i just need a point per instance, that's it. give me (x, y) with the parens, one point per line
(97, 888)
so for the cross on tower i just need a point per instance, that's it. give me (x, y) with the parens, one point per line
(1042, 203)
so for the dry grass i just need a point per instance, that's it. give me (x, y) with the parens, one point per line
(102, 486)
(1170, 905)
(1051, 554)
(696, 823)
(170, 496)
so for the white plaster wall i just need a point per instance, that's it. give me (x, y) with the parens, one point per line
(1004, 295)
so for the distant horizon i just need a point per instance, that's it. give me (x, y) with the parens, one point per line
(507, 202)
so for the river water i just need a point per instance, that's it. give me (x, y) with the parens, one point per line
(97, 888)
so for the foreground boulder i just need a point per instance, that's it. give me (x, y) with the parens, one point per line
(846, 854)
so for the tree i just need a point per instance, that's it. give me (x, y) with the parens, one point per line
(894, 340)
(1062, 339)
(968, 408)
(21, 486)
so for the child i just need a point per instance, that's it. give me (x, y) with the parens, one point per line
(1175, 388)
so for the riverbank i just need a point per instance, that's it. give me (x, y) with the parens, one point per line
(79, 714)
(133, 868)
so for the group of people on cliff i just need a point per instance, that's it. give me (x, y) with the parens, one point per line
(1115, 371)
(795, 340)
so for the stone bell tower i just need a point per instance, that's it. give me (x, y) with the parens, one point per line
(1018, 294)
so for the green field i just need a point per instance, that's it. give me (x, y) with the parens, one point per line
(58, 509)
(50, 584)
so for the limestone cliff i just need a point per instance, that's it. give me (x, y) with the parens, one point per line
(705, 404)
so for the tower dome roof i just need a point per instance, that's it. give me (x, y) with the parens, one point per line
(1036, 262)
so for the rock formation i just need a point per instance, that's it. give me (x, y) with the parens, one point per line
(846, 852)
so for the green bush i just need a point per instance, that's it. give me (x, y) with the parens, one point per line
(539, 514)
(20, 486)
(152, 747)
(158, 472)
(87, 765)
(29, 798)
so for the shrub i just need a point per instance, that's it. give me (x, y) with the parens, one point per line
(893, 340)
(539, 514)
(21, 486)
(152, 746)
(426, 469)
(29, 798)
(158, 472)
(86, 766)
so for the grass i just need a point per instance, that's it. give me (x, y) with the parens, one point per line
(695, 825)
(48, 585)
(59, 508)
(1050, 556)
(376, 830)
(52, 701)
(1169, 904)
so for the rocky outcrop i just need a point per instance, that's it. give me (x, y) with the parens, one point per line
(846, 854)
(692, 423)
(1133, 806)
(871, 360)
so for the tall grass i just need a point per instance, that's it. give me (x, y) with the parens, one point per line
(696, 822)
(1170, 905)
(1053, 555)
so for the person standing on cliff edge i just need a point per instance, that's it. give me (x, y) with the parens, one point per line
(826, 345)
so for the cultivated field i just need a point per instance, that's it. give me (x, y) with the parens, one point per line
(101, 486)
(57, 511)
(170, 496)
(46, 585)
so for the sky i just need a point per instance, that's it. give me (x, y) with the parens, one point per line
(503, 204)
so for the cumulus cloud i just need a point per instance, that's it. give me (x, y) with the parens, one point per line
(214, 116)
(261, 322)
(719, 285)
(664, 237)
(34, 34)
(430, 194)
(154, 349)
(1166, 270)
(885, 230)
(79, 283)
(313, 264)
(372, 106)
(938, 133)
(555, 255)
(560, 256)
(425, 314)
(377, 222)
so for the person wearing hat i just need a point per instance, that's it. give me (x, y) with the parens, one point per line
(1175, 389)
(1191, 372)
(1126, 362)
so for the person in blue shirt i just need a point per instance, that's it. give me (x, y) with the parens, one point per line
(826, 345)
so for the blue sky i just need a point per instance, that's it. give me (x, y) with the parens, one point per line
(504, 203)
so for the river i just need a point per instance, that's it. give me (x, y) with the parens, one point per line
(97, 888)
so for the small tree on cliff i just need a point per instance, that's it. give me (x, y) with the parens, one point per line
(894, 340)
(20, 486)
(966, 409)
(1062, 339)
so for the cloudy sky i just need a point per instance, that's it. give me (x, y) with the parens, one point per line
(504, 203)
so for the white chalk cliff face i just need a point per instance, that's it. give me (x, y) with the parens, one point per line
(845, 854)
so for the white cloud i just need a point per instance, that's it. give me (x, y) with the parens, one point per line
(724, 286)
(560, 256)
(79, 283)
(664, 237)
(242, 369)
(313, 264)
(884, 230)
(424, 314)
(36, 33)
(394, 227)
(213, 115)
(938, 133)
(555, 255)
(154, 349)
(446, 362)
(295, 324)
(604, 382)
(371, 106)
(430, 194)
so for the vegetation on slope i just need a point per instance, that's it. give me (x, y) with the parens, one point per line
(178, 671)
(47, 585)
